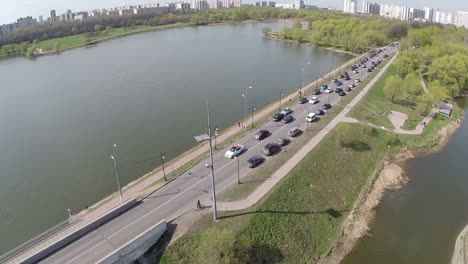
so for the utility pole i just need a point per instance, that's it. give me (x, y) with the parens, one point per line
(281, 97)
(216, 135)
(238, 171)
(117, 173)
(211, 166)
(307, 123)
(253, 109)
(162, 163)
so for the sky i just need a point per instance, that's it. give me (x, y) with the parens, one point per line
(13, 9)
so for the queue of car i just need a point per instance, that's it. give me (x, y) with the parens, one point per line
(285, 116)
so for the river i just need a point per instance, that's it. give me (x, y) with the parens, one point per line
(60, 115)
(420, 222)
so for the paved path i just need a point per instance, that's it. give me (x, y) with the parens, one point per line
(398, 119)
(461, 248)
(423, 84)
(284, 170)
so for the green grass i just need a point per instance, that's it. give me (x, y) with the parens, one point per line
(375, 107)
(80, 39)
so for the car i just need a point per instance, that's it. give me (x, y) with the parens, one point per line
(294, 132)
(385, 56)
(316, 92)
(287, 119)
(303, 100)
(327, 106)
(329, 90)
(369, 70)
(342, 93)
(278, 117)
(270, 149)
(255, 161)
(319, 112)
(347, 78)
(338, 90)
(262, 134)
(334, 80)
(339, 83)
(357, 80)
(341, 76)
(352, 85)
(286, 111)
(283, 141)
(348, 89)
(364, 66)
(355, 71)
(311, 117)
(234, 151)
(324, 86)
(314, 100)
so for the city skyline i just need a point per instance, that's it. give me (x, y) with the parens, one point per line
(14, 9)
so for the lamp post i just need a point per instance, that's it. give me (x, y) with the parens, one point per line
(245, 106)
(253, 110)
(281, 97)
(238, 171)
(215, 209)
(307, 123)
(215, 135)
(162, 163)
(116, 173)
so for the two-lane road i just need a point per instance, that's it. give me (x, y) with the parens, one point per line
(181, 194)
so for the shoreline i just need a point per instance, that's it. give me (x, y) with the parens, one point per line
(389, 175)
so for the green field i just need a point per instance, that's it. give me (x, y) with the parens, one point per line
(81, 39)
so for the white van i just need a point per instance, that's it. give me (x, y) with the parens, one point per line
(311, 117)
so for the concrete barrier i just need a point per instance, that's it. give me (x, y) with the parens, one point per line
(53, 247)
(135, 248)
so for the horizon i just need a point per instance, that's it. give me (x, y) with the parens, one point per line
(36, 8)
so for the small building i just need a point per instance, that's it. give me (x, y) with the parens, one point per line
(445, 109)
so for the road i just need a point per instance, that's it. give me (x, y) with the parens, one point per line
(180, 195)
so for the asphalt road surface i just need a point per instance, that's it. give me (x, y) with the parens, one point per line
(181, 194)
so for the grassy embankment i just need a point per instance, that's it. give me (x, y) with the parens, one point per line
(297, 220)
(79, 40)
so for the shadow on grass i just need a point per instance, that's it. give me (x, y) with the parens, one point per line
(332, 212)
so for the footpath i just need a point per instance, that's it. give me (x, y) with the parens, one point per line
(461, 248)
(263, 189)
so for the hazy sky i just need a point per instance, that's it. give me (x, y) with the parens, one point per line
(12, 9)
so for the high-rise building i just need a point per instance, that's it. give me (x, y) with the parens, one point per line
(350, 6)
(53, 15)
(298, 4)
(26, 22)
(461, 19)
(237, 3)
(443, 17)
(393, 11)
(429, 14)
(41, 19)
(199, 5)
(215, 4)
(416, 14)
(225, 3)
(370, 8)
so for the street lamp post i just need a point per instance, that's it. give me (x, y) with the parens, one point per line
(215, 209)
(307, 123)
(117, 173)
(253, 110)
(162, 163)
(281, 97)
(238, 171)
(245, 106)
(215, 135)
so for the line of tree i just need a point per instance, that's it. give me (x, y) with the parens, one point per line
(437, 55)
(17, 42)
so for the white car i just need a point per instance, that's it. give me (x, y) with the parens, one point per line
(328, 90)
(235, 151)
(314, 100)
(311, 117)
(357, 80)
(286, 111)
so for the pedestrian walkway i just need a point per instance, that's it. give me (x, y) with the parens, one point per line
(398, 119)
(289, 165)
(460, 251)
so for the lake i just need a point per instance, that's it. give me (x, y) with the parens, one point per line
(60, 115)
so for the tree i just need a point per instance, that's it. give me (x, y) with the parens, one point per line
(297, 25)
(97, 28)
(56, 45)
(393, 86)
(412, 85)
(266, 30)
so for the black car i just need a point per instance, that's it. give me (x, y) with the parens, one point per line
(327, 106)
(347, 78)
(342, 93)
(339, 83)
(278, 117)
(348, 89)
(270, 149)
(338, 90)
(303, 100)
(262, 134)
(287, 119)
(316, 92)
(369, 70)
(255, 161)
